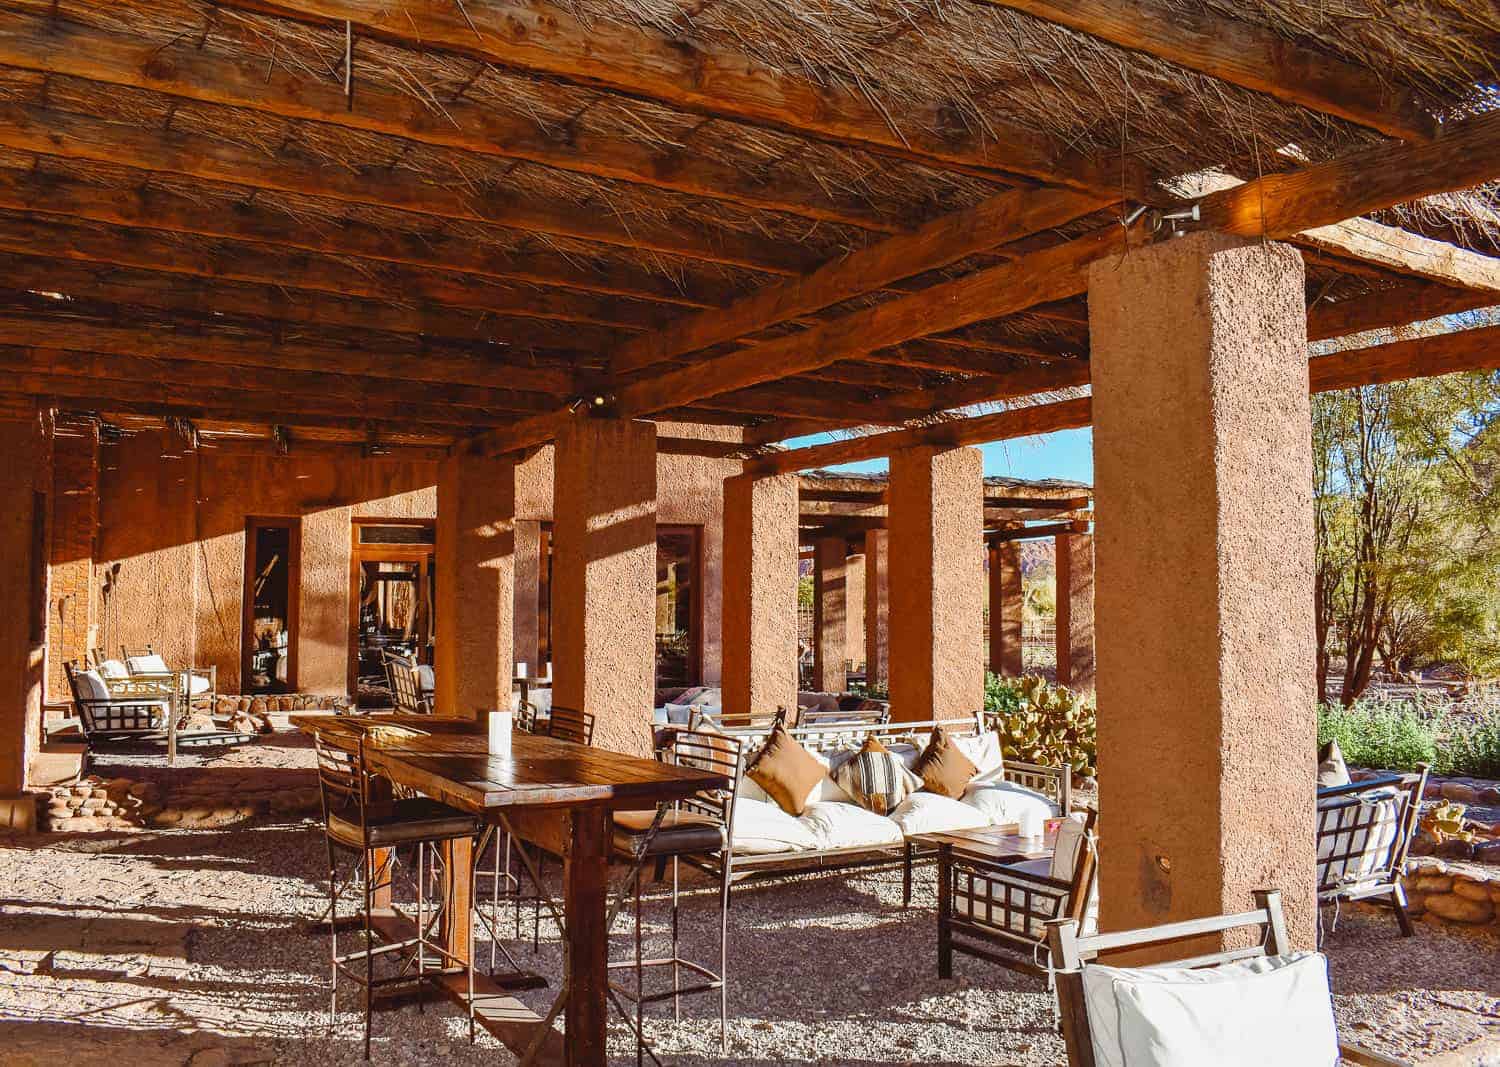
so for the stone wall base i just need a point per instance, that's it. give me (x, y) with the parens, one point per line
(1465, 897)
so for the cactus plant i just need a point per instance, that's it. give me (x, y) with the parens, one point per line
(1042, 723)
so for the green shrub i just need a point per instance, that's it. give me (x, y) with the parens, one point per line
(1389, 735)
(1471, 750)
(1041, 723)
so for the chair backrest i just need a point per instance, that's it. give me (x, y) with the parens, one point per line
(732, 720)
(1365, 828)
(717, 753)
(1070, 953)
(401, 676)
(342, 780)
(567, 724)
(825, 717)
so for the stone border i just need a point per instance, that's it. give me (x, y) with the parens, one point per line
(1468, 898)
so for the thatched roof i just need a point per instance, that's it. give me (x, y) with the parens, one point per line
(536, 213)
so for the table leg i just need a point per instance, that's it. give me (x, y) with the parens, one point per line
(380, 858)
(906, 877)
(458, 893)
(586, 873)
(945, 912)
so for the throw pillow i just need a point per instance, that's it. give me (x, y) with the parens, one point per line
(786, 771)
(877, 779)
(943, 767)
(1331, 768)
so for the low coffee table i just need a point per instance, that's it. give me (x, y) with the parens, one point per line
(1002, 844)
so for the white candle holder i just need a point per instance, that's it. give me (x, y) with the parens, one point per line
(499, 733)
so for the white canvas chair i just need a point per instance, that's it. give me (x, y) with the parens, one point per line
(1363, 832)
(1239, 1007)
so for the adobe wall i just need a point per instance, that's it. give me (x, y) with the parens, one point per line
(173, 521)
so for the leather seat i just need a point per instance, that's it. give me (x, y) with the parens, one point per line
(401, 822)
(681, 832)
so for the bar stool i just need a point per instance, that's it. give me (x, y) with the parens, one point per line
(354, 822)
(699, 830)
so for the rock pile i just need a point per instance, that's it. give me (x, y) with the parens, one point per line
(193, 802)
(1433, 888)
(95, 804)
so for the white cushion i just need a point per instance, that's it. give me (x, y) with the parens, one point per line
(1067, 849)
(113, 669)
(678, 714)
(152, 664)
(827, 790)
(840, 825)
(761, 828)
(1274, 1010)
(1005, 802)
(1363, 831)
(927, 813)
(984, 752)
(197, 684)
(91, 686)
(426, 679)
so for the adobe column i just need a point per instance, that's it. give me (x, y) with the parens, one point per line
(936, 592)
(1203, 477)
(604, 578)
(526, 625)
(25, 477)
(877, 607)
(1075, 611)
(475, 584)
(830, 625)
(760, 593)
(1005, 609)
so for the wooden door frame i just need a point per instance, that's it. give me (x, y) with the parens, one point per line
(293, 523)
(360, 554)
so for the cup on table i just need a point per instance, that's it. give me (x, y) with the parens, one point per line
(499, 733)
(1031, 824)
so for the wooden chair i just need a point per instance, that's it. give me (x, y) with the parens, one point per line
(1070, 954)
(355, 821)
(566, 724)
(406, 690)
(999, 911)
(1364, 830)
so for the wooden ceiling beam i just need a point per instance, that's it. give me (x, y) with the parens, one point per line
(154, 206)
(45, 43)
(117, 408)
(73, 136)
(543, 38)
(1394, 249)
(1420, 357)
(339, 450)
(1246, 55)
(308, 391)
(248, 351)
(1391, 308)
(819, 400)
(1030, 533)
(264, 265)
(1272, 207)
(280, 308)
(939, 243)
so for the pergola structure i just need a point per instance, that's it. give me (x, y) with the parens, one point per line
(844, 520)
(490, 227)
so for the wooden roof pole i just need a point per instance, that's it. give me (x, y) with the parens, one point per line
(1244, 54)
(543, 38)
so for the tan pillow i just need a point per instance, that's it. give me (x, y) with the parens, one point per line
(877, 779)
(943, 767)
(786, 771)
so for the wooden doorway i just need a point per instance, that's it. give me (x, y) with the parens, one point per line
(268, 627)
(392, 597)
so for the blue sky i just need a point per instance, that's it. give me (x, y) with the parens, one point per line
(1065, 454)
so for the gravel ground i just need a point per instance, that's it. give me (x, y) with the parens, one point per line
(188, 947)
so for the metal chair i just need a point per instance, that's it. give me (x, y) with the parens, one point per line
(132, 711)
(406, 690)
(566, 724)
(1363, 832)
(701, 831)
(355, 821)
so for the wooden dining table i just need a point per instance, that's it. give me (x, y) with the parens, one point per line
(551, 793)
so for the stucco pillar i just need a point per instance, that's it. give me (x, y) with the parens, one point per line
(1075, 611)
(526, 627)
(25, 479)
(854, 608)
(936, 596)
(604, 578)
(475, 584)
(1203, 481)
(760, 593)
(1006, 603)
(830, 623)
(72, 621)
(877, 607)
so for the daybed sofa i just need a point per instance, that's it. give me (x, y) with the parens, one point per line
(835, 831)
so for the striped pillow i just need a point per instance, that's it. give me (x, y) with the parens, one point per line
(877, 779)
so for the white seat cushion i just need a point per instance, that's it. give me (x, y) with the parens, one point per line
(678, 714)
(197, 685)
(762, 828)
(152, 664)
(926, 813)
(426, 679)
(1360, 832)
(1068, 848)
(1274, 1010)
(113, 669)
(1005, 802)
(840, 825)
(91, 686)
